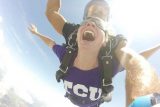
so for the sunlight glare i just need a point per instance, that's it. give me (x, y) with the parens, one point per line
(136, 18)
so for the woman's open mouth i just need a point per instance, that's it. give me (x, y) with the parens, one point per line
(88, 35)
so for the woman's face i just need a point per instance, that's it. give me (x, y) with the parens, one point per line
(90, 36)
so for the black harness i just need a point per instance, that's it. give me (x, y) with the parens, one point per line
(106, 56)
(71, 48)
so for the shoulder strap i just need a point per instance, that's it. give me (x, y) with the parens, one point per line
(106, 65)
(71, 48)
(65, 63)
(106, 57)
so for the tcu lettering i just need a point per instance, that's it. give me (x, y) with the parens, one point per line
(82, 90)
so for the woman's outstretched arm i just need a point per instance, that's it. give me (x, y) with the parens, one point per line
(48, 41)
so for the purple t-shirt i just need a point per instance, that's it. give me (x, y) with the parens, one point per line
(80, 83)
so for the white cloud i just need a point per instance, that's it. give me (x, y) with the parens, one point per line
(27, 85)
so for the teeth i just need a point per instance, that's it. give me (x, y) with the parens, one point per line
(88, 35)
(88, 32)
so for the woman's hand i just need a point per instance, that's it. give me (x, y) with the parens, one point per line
(33, 29)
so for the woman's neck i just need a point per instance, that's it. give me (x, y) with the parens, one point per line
(86, 60)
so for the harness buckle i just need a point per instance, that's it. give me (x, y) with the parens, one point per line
(63, 70)
(104, 83)
(107, 57)
(106, 97)
(61, 73)
(107, 86)
(72, 40)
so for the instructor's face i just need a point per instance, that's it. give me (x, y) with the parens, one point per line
(98, 11)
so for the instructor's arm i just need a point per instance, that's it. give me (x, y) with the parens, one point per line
(53, 15)
(149, 52)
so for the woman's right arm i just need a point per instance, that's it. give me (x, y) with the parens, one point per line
(53, 15)
(48, 41)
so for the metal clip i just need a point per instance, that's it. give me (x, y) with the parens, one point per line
(62, 70)
(106, 57)
(70, 39)
(104, 84)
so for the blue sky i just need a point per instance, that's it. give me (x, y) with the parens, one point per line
(21, 51)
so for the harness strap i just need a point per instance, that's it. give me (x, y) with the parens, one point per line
(65, 63)
(107, 74)
(71, 48)
(107, 67)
